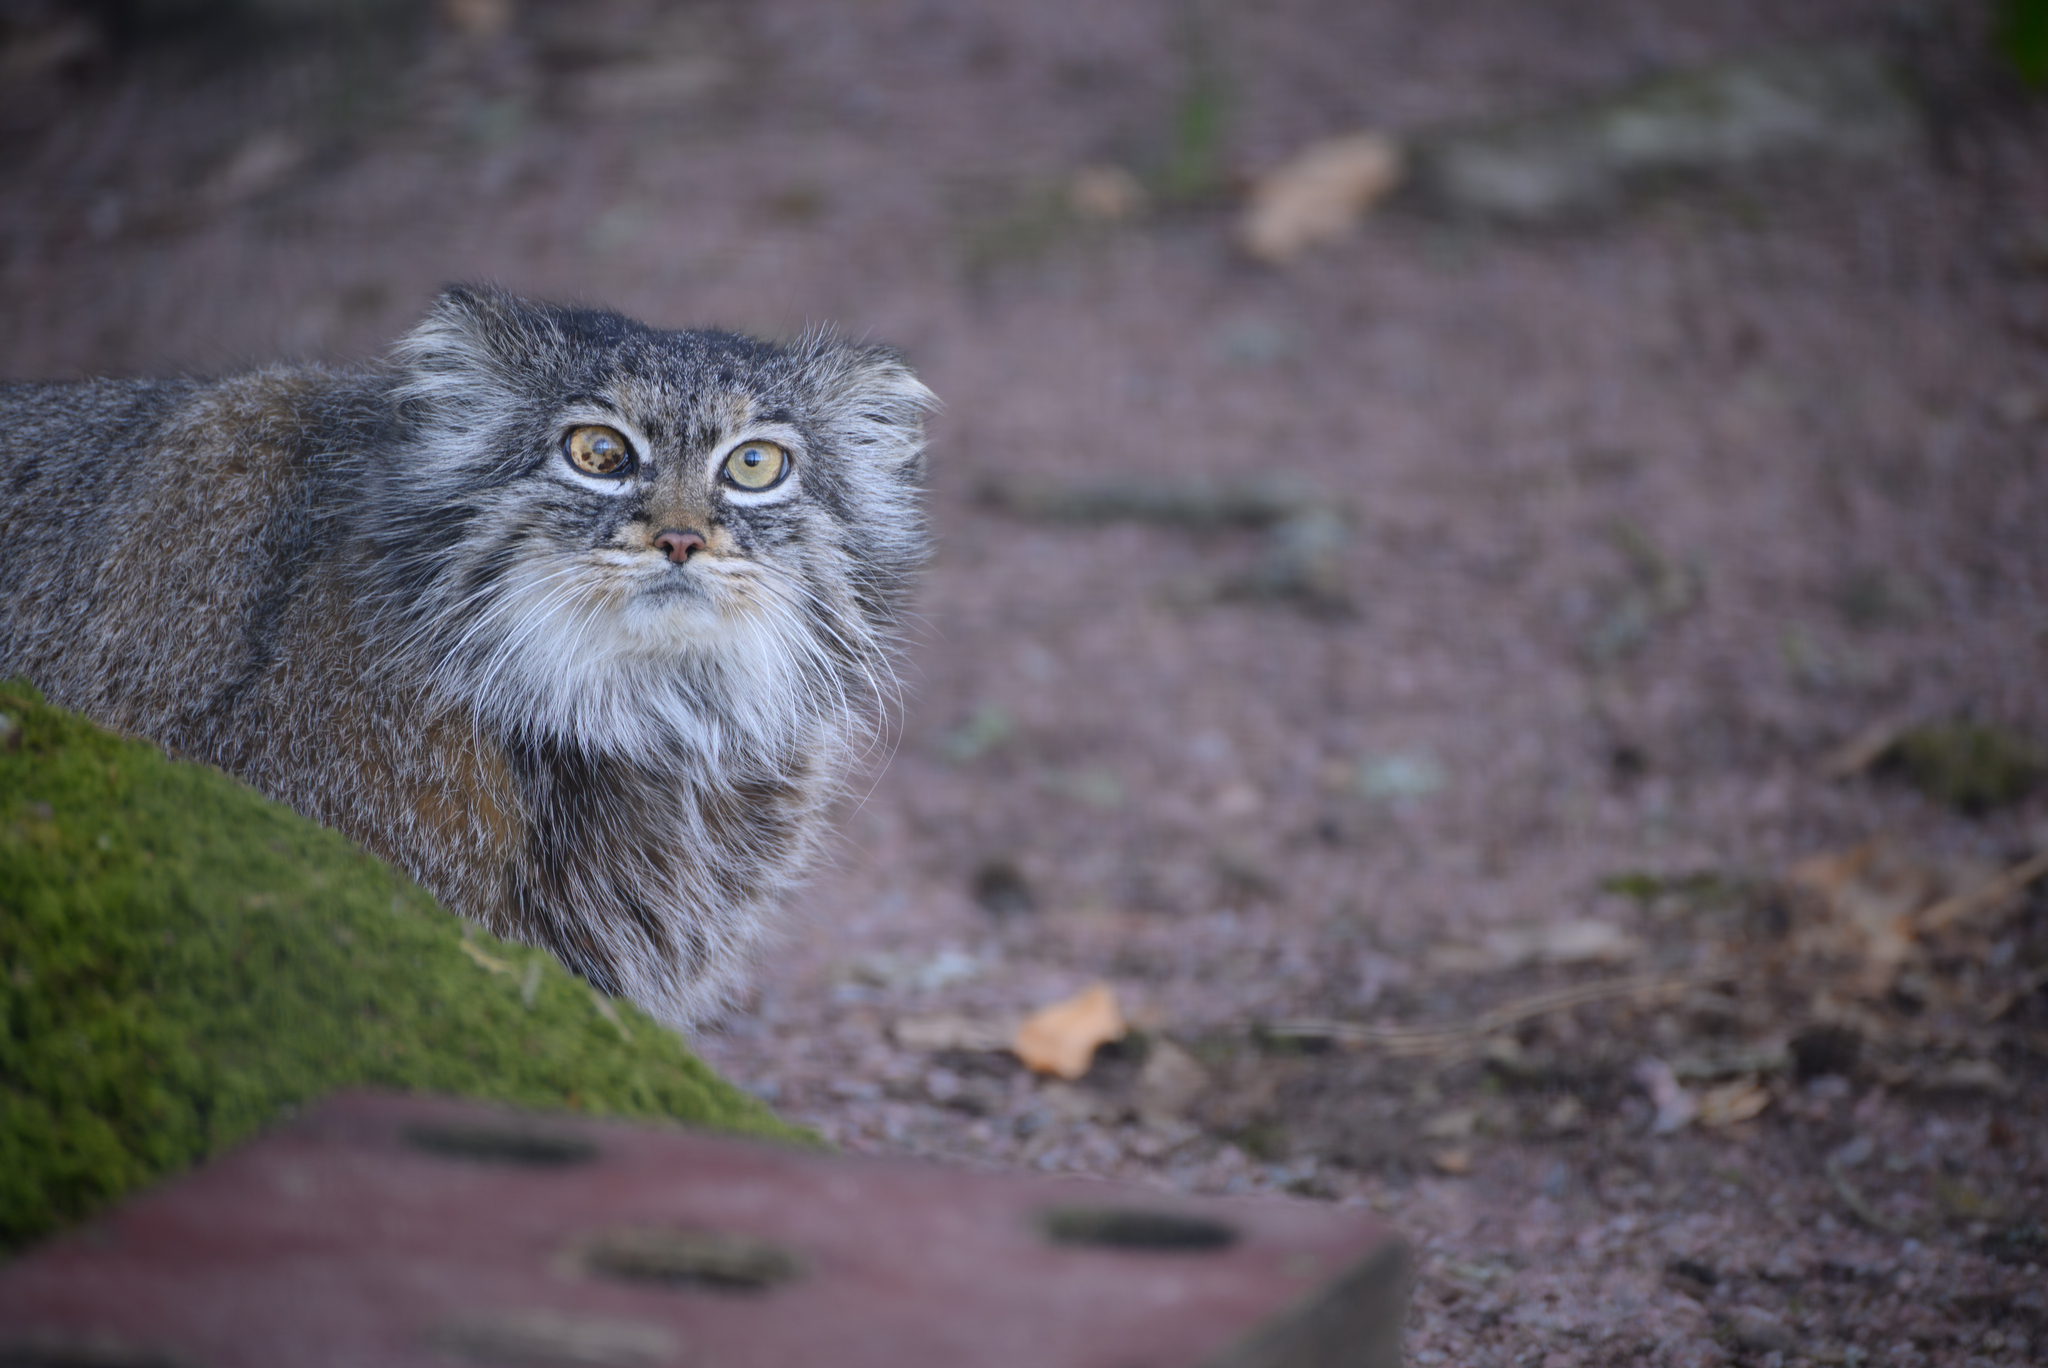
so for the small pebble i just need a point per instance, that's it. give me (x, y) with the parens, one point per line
(1759, 1331)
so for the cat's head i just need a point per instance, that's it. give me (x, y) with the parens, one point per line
(582, 515)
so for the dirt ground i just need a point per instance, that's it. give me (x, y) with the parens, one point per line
(1646, 520)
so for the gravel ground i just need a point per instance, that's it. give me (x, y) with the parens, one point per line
(1646, 519)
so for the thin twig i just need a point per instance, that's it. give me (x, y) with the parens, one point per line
(1859, 1206)
(2012, 998)
(1990, 893)
(1409, 1041)
(1861, 751)
(611, 1014)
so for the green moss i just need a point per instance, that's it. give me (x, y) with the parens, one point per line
(1971, 768)
(2023, 39)
(183, 962)
(1195, 169)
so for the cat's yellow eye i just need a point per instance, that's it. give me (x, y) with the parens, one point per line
(598, 451)
(756, 465)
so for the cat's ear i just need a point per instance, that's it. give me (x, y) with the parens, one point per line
(870, 394)
(472, 336)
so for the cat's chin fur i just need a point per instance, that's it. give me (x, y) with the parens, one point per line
(730, 696)
(608, 672)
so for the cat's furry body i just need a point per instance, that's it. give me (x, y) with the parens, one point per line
(385, 598)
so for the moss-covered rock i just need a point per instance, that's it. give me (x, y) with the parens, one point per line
(183, 961)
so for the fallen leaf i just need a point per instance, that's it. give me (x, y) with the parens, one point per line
(1106, 194)
(1062, 1039)
(1455, 1162)
(1859, 906)
(1732, 1102)
(1318, 195)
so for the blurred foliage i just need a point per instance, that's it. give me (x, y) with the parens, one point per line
(161, 15)
(1969, 767)
(2023, 39)
(1194, 169)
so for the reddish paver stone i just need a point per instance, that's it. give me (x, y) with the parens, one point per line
(387, 1231)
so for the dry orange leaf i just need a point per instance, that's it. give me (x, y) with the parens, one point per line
(1106, 194)
(1454, 1162)
(1732, 1102)
(1319, 195)
(1061, 1039)
(1867, 897)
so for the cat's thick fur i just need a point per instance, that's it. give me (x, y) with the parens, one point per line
(385, 597)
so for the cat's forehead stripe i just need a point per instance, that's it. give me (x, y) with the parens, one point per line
(695, 420)
(732, 410)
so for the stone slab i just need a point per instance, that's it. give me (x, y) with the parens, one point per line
(390, 1231)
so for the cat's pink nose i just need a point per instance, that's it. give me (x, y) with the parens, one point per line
(677, 543)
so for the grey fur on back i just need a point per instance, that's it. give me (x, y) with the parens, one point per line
(384, 597)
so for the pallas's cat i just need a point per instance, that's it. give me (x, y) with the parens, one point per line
(578, 621)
